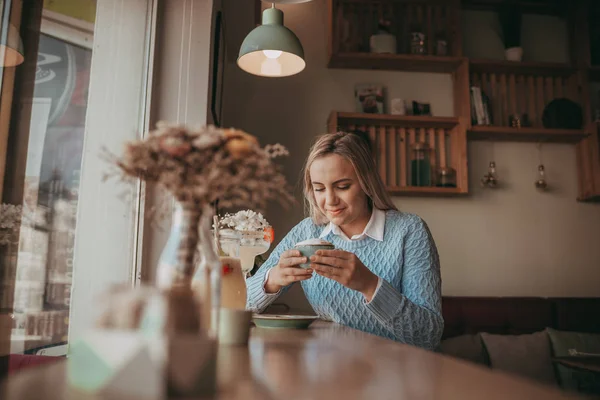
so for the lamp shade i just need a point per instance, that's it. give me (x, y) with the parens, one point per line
(271, 49)
(11, 50)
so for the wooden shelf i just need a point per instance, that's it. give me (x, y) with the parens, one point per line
(505, 133)
(588, 164)
(523, 68)
(394, 62)
(392, 137)
(512, 87)
(595, 198)
(404, 121)
(543, 7)
(424, 191)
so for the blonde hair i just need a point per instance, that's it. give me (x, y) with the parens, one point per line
(356, 150)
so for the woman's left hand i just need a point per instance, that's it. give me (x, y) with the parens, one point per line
(347, 269)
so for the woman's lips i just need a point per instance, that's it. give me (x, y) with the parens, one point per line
(335, 212)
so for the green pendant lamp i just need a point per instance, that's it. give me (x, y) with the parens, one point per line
(271, 49)
(11, 52)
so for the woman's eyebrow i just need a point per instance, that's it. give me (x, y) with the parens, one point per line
(342, 180)
(334, 183)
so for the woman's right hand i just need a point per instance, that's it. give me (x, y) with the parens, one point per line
(287, 271)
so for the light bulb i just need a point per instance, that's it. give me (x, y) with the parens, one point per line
(490, 179)
(272, 54)
(541, 183)
(270, 67)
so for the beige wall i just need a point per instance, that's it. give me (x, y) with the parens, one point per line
(507, 242)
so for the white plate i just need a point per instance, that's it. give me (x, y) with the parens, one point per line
(283, 321)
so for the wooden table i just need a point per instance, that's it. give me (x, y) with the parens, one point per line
(327, 361)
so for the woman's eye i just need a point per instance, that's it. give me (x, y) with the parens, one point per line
(346, 187)
(318, 189)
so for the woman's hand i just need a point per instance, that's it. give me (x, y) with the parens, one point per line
(287, 271)
(347, 269)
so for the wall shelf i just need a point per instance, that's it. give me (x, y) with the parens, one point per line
(529, 134)
(588, 164)
(405, 121)
(522, 68)
(529, 92)
(509, 89)
(526, 6)
(392, 139)
(353, 22)
(394, 62)
(425, 191)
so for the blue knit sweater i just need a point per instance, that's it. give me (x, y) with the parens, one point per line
(407, 305)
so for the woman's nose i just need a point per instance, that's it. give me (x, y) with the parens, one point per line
(331, 198)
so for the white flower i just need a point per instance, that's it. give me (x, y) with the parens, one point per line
(276, 150)
(245, 220)
(210, 138)
(10, 221)
(10, 216)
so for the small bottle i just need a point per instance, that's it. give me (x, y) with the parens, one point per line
(206, 281)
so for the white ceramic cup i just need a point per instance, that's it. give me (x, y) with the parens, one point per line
(234, 326)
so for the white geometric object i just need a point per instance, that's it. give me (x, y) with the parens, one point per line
(398, 107)
(383, 43)
(131, 363)
(514, 54)
(148, 344)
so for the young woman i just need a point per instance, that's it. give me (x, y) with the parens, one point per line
(383, 276)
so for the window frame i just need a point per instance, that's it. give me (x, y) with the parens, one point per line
(124, 47)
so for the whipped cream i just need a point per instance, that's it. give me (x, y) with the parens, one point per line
(314, 242)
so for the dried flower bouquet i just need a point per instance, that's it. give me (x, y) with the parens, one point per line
(199, 167)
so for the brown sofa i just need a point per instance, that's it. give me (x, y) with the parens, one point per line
(519, 315)
(522, 335)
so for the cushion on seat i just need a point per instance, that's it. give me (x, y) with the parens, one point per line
(466, 347)
(527, 355)
(571, 378)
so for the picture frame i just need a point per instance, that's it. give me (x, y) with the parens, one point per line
(370, 98)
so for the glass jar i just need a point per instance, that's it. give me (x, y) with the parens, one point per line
(418, 39)
(252, 244)
(446, 177)
(420, 167)
(229, 242)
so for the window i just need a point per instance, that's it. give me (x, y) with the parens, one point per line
(82, 89)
